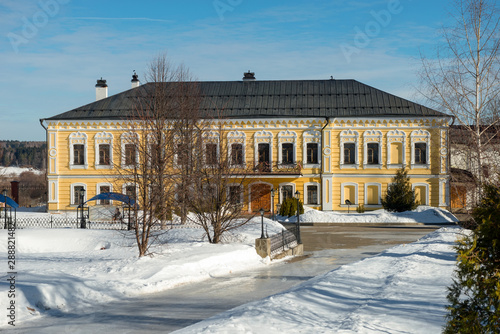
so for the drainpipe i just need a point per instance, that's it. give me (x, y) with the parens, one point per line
(449, 164)
(321, 155)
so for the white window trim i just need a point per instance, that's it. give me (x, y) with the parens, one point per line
(78, 138)
(242, 195)
(421, 136)
(349, 136)
(105, 138)
(124, 189)
(379, 186)
(287, 137)
(396, 136)
(280, 195)
(342, 197)
(372, 136)
(311, 137)
(129, 138)
(236, 137)
(98, 189)
(263, 137)
(211, 137)
(426, 185)
(318, 195)
(72, 195)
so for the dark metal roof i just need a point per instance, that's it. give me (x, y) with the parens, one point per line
(283, 98)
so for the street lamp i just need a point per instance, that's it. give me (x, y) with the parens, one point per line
(348, 202)
(262, 223)
(297, 195)
(4, 193)
(83, 224)
(272, 203)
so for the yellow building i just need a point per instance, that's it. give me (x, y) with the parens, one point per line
(331, 140)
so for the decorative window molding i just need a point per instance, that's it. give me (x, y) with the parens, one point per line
(263, 137)
(379, 194)
(228, 192)
(78, 138)
(311, 137)
(349, 136)
(426, 187)
(211, 137)
(73, 195)
(129, 138)
(396, 136)
(103, 138)
(372, 136)
(307, 200)
(236, 137)
(342, 193)
(98, 190)
(421, 136)
(280, 190)
(287, 137)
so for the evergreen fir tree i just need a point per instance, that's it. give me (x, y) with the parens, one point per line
(400, 196)
(474, 296)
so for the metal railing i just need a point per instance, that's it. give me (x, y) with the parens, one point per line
(283, 241)
(74, 222)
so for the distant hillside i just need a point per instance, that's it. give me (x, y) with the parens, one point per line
(23, 154)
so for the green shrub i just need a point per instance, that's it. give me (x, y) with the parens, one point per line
(474, 295)
(360, 208)
(289, 207)
(400, 196)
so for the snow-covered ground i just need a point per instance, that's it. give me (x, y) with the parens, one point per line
(69, 269)
(15, 171)
(402, 290)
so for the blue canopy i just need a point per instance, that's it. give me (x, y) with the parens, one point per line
(114, 197)
(10, 202)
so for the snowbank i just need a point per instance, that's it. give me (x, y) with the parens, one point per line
(69, 269)
(16, 171)
(423, 214)
(402, 290)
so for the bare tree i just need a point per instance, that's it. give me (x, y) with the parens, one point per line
(463, 80)
(164, 109)
(216, 200)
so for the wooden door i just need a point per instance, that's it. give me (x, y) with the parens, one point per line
(260, 197)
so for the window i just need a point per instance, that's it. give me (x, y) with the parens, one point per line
(130, 154)
(264, 162)
(104, 189)
(78, 154)
(286, 192)
(312, 153)
(287, 153)
(155, 155)
(104, 154)
(372, 152)
(131, 191)
(349, 154)
(78, 195)
(236, 154)
(235, 194)
(312, 194)
(420, 153)
(211, 154)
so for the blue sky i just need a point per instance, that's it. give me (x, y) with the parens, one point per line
(53, 51)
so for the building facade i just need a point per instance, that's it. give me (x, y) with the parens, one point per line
(333, 141)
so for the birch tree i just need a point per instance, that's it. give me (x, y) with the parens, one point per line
(463, 79)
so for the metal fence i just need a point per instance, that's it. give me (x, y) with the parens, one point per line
(283, 241)
(67, 222)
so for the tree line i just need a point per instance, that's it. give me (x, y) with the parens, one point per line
(23, 154)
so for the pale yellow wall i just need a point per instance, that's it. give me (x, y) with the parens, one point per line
(64, 176)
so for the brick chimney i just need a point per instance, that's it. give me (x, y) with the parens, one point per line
(135, 80)
(101, 90)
